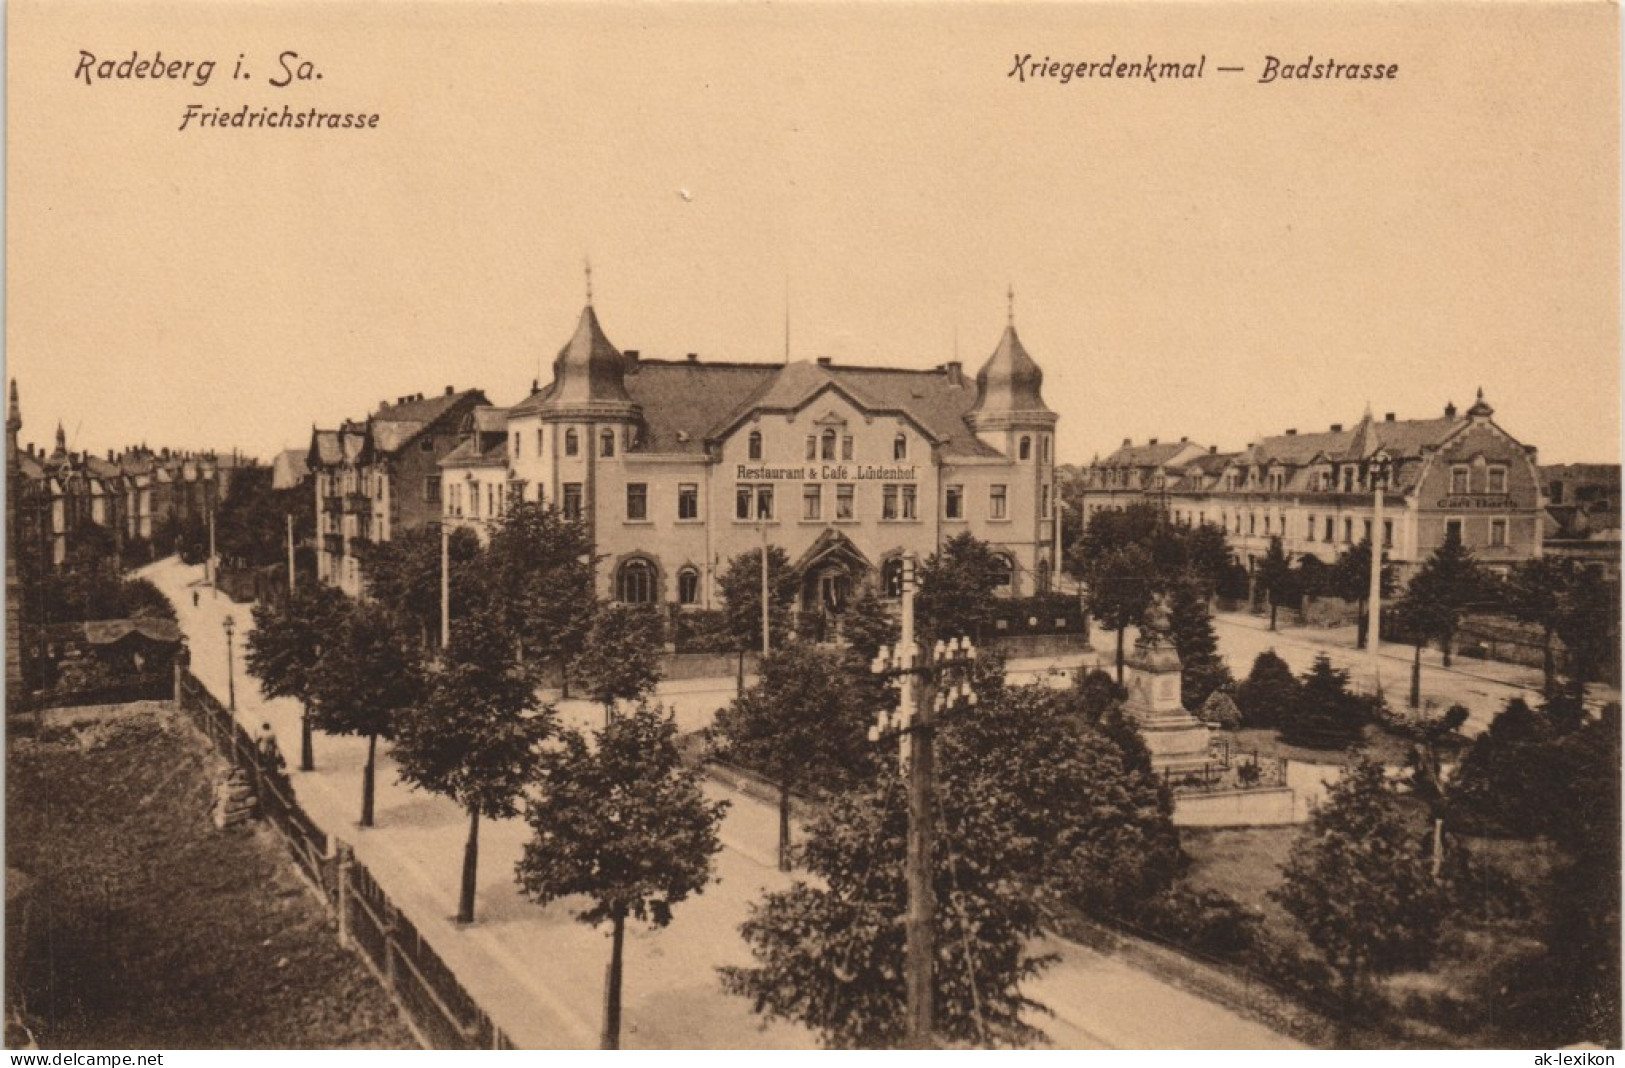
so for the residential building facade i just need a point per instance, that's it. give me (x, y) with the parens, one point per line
(679, 466)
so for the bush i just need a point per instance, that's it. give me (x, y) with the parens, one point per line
(1207, 921)
(1270, 693)
(1220, 710)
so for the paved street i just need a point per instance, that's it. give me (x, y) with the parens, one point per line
(540, 974)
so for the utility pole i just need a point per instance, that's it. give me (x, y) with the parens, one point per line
(915, 723)
(767, 614)
(211, 566)
(445, 585)
(1378, 474)
(292, 582)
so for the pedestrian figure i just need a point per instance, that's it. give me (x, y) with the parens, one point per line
(194, 598)
(270, 753)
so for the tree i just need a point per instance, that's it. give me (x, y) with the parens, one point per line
(1121, 585)
(542, 564)
(1327, 715)
(1350, 579)
(1275, 576)
(1358, 887)
(1588, 624)
(1446, 585)
(867, 624)
(1096, 693)
(1202, 669)
(285, 647)
(476, 736)
(1269, 695)
(622, 822)
(403, 574)
(620, 658)
(1037, 813)
(1536, 590)
(957, 589)
(803, 725)
(366, 676)
(740, 587)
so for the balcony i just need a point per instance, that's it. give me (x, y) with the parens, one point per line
(357, 504)
(333, 543)
(333, 505)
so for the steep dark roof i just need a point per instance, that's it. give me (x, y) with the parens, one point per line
(1146, 455)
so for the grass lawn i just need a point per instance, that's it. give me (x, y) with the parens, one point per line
(132, 923)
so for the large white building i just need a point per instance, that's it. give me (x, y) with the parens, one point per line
(680, 465)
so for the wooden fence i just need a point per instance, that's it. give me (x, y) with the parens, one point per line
(443, 1013)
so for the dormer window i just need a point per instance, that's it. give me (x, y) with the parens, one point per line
(899, 447)
(755, 445)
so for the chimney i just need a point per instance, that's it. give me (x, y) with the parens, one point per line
(693, 357)
(1292, 432)
(450, 391)
(1184, 440)
(381, 404)
(109, 455)
(1213, 450)
(956, 373)
(1388, 417)
(1153, 441)
(823, 361)
(631, 356)
(1449, 409)
(1337, 428)
(1127, 442)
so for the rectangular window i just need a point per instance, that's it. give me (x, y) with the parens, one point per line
(812, 501)
(426, 445)
(688, 501)
(431, 489)
(1459, 479)
(1452, 529)
(572, 500)
(1309, 529)
(1498, 480)
(1348, 532)
(1044, 502)
(539, 440)
(1498, 532)
(742, 502)
(911, 508)
(1388, 533)
(1367, 530)
(1266, 524)
(844, 493)
(953, 506)
(1252, 522)
(764, 502)
(474, 499)
(998, 502)
(516, 444)
(1329, 528)
(888, 502)
(812, 447)
(637, 501)
(846, 448)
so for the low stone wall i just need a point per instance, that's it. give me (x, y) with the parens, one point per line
(1268, 807)
(1021, 646)
(679, 666)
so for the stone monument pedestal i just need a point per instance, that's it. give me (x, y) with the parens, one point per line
(1178, 741)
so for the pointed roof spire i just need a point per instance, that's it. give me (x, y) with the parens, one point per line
(1010, 304)
(1010, 384)
(1481, 408)
(588, 264)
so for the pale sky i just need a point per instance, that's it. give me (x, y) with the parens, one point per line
(1214, 258)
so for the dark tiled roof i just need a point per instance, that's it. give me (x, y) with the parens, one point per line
(1147, 455)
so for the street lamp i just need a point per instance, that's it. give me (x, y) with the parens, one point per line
(1377, 472)
(230, 626)
(914, 724)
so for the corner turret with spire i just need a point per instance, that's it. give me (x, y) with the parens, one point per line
(1009, 388)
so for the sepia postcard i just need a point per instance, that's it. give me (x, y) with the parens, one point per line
(744, 526)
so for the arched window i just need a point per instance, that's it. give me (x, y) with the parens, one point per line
(606, 442)
(1004, 571)
(755, 444)
(826, 448)
(635, 584)
(899, 447)
(1026, 448)
(572, 442)
(891, 578)
(688, 586)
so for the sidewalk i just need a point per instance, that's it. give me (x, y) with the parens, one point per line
(540, 974)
